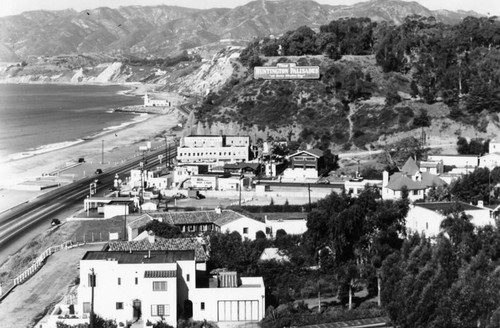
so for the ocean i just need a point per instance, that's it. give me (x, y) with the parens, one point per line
(37, 118)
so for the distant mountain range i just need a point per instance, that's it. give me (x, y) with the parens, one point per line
(164, 30)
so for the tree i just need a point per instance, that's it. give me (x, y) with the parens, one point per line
(399, 152)
(422, 120)
(161, 229)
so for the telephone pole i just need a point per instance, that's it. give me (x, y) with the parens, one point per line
(92, 282)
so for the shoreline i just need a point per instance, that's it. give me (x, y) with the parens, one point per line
(115, 144)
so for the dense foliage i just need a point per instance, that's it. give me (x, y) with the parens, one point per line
(457, 64)
(453, 282)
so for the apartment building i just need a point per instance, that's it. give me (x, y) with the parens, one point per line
(213, 150)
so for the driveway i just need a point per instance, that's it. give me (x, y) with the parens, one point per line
(47, 286)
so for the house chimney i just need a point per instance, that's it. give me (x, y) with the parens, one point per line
(218, 210)
(151, 236)
(385, 178)
(480, 203)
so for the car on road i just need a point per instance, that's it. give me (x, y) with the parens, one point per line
(98, 171)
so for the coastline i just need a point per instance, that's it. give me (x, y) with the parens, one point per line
(115, 144)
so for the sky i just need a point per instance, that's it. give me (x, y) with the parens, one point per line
(14, 7)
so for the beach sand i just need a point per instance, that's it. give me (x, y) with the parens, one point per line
(118, 146)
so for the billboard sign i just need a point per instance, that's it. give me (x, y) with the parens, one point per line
(286, 71)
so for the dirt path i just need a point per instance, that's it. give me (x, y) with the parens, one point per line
(47, 286)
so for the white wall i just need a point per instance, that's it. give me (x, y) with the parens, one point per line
(292, 227)
(213, 297)
(458, 161)
(251, 225)
(299, 174)
(425, 221)
(490, 161)
(107, 291)
(115, 210)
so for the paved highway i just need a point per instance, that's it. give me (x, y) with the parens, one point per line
(18, 220)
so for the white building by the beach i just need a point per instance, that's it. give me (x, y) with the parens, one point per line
(152, 101)
(213, 150)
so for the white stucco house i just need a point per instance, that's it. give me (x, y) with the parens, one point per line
(143, 282)
(426, 218)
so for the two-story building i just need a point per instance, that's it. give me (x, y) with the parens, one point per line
(410, 177)
(136, 285)
(304, 165)
(213, 150)
(143, 283)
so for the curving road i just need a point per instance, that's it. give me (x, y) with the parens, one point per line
(18, 220)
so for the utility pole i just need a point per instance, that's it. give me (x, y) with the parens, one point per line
(92, 282)
(166, 152)
(102, 152)
(125, 224)
(241, 177)
(309, 192)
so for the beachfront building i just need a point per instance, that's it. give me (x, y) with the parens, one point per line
(155, 101)
(417, 183)
(213, 150)
(426, 218)
(147, 282)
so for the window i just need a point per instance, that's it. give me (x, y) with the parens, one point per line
(202, 306)
(92, 280)
(245, 230)
(191, 227)
(136, 280)
(119, 281)
(86, 307)
(119, 305)
(415, 192)
(159, 286)
(160, 310)
(426, 225)
(187, 277)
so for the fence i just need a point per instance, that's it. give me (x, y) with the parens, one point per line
(26, 274)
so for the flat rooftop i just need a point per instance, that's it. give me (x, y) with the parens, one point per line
(136, 257)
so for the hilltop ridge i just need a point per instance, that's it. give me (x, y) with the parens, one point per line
(160, 31)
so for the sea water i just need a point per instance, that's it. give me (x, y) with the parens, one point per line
(37, 118)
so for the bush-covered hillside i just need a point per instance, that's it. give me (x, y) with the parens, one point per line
(419, 62)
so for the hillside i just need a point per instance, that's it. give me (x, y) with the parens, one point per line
(161, 31)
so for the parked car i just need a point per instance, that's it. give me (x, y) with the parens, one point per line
(98, 171)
